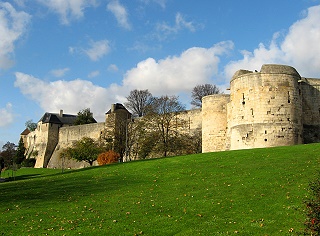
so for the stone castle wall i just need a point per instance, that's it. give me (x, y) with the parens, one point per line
(214, 122)
(189, 121)
(272, 107)
(265, 108)
(67, 136)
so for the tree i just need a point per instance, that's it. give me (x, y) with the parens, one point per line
(7, 155)
(86, 149)
(108, 157)
(138, 101)
(202, 90)
(20, 157)
(31, 125)
(163, 118)
(84, 117)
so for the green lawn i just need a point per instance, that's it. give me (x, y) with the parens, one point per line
(247, 192)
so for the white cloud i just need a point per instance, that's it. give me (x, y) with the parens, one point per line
(68, 9)
(97, 49)
(70, 96)
(59, 72)
(93, 74)
(6, 115)
(176, 74)
(300, 48)
(162, 3)
(113, 68)
(171, 75)
(20, 3)
(164, 29)
(13, 25)
(120, 12)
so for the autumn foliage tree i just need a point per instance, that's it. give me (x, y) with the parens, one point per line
(108, 157)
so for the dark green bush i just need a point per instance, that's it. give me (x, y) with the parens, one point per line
(29, 162)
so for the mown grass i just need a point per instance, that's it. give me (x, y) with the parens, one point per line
(247, 192)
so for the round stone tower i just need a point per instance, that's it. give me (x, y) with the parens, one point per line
(265, 108)
(214, 122)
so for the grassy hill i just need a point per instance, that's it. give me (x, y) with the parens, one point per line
(247, 192)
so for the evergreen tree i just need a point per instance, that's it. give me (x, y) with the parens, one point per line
(85, 117)
(20, 153)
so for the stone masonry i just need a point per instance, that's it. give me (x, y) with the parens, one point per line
(271, 107)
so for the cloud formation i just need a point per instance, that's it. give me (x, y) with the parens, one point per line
(161, 3)
(97, 49)
(93, 74)
(13, 25)
(120, 13)
(59, 72)
(299, 48)
(68, 9)
(70, 96)
(164, 29)
(113, 68)
(177, 73)
(6, 115)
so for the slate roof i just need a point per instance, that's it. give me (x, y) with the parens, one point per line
(118, 106)
(25, 132)
(55, 118)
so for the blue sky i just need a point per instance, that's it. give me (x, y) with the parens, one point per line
(76, 54)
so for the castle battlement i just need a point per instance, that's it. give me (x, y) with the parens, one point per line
(271, 107)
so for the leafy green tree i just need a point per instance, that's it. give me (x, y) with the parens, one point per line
(86, 149)
(84, 117)
(31, 125)
(20, 153)
(8, 154)
(202, 90)
(138, 101)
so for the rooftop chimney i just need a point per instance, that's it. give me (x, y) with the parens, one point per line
(61, 113)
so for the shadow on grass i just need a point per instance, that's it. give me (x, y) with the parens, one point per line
(21, 177)
(60, 187)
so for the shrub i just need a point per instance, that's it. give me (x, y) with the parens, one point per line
(313, 209)
(108, 157)
(29, 162)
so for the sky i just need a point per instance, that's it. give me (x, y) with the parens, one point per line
(77, 54)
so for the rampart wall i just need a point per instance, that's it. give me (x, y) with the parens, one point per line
(67, 136)
(265, 108)
(272, 107)
(214, 122)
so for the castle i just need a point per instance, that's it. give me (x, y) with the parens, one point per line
(271, 107)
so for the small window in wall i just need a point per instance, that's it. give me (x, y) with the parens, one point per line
(265, 140)
(251, 111)
(289, 97)
(265, 132)
(243, 102)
